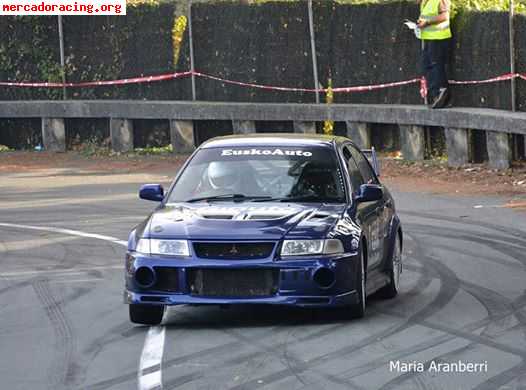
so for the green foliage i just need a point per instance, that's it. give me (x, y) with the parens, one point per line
(489, 5)
(472, 5)
(95, 147)
(4, 148)
(154, 150)
(25, 52)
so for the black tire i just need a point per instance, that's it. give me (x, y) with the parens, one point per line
(357, 310)
(390, 290)
(146, 314)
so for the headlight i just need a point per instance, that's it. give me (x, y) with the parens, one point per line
(311, 247)
(163, 247)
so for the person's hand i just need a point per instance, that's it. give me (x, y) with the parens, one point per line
(421, 23)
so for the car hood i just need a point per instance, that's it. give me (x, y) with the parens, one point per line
(243, 221)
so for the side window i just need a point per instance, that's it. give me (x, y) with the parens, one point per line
(364, 167)
(354, 172)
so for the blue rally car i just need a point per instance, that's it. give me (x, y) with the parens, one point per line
(299, 220)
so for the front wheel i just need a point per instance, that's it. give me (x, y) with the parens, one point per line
(391, 289)
(357, 310)
(146, 314)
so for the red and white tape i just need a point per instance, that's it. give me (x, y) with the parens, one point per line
(259, 86)
(504, 77)
(172, 76)
(135, 80)
(363, 88)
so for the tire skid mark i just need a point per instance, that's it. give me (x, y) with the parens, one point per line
(238, 359)
(449, 283)
(444, 296)
(62, 372)
(15, 286)
(495, 304)
(287, 358)
(220, 350)
(118, 332)
(489, 241)
(402, 353)
(304, 366)
(515, 265)
(494, 311)
(503, 229)
(473, 288)
(505, 377)
(295, 366)
(414, 349)
(399, 354)
(466, 334)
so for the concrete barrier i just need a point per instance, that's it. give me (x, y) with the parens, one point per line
(412, 141)
(457, 145)
(54, 134)
(360, 133)
(182, 136)
(121, 134)
(358, 118)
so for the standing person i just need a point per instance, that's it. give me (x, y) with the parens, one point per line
(436, 37)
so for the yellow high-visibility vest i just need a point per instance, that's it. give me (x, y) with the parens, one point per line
(441, 30)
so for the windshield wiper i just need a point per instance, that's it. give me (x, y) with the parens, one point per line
(234, 197)
(304, 198)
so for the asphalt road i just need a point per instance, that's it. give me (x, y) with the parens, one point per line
(63, 324)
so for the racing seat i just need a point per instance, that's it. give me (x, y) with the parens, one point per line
(316, 180)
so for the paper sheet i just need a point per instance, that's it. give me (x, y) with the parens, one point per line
(413, 26)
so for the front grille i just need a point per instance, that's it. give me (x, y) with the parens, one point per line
(233, 250)
(236, 283)
(167, 279)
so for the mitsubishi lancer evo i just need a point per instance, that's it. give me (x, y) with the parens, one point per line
(298, 220)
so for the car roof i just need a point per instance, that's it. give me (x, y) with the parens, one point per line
(274, 139)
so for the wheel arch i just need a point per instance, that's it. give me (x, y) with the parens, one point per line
(365, 254)
(395, 233)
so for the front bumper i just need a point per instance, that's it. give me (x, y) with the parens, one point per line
(347, 298)
(296, 283)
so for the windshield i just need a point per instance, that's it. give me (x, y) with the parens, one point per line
(263, 173)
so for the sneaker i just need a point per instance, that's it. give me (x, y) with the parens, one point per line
(441, 99)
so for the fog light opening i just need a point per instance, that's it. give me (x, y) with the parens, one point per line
(145, 277)
(324, 278)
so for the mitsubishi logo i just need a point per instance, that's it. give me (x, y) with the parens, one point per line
(234, 250)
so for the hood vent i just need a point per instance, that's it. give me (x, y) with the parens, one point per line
(217, 216)
(260, 217)
(319, 216)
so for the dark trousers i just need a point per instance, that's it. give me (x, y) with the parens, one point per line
(435, 56)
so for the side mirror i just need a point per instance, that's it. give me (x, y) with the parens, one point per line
(370, 193)
(153, 192)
